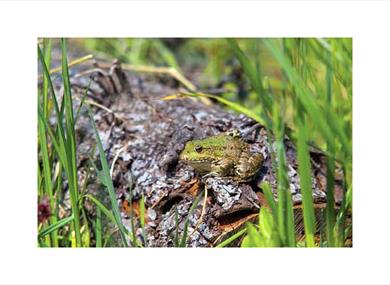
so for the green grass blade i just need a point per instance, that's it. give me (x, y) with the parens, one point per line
(304, 170)
(82, 102)
(142, 218)
(253, 237)
(53, 94)
(254, 74)
(232, 105)
(48, 178)
(270, 198)
(47, 59)
(342, 215)
(183, 240)
(290, 228)
(58, 146)
(59, 115)
(85, 230)
(70, 146)
(166, 54)
(40, 179)
(55, 227)
(267, 228)
(330, 203)
(108, 181)
(47, 44)
(231, 239)
(249, 69)
(102, 208)
(98, 227)
(329, 83)
(176, 239)
(330, 164)
(137, 52)
(285, 214)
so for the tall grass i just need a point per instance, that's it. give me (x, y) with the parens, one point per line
(320, 102)
(57, 156)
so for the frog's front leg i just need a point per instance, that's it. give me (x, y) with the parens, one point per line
(223, 168)
(248, 165)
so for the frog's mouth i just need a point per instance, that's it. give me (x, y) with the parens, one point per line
(200, 166)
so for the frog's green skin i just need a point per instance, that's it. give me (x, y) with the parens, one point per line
(225, 155)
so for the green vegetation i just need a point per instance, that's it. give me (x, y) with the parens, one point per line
(60, 153)
(298, 87)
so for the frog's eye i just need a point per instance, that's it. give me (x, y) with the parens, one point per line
(198, 148)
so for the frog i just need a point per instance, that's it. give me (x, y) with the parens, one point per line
(222, 155)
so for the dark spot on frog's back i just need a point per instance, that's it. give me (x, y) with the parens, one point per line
(230, 147)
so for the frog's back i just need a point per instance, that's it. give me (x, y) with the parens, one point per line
(220, 145)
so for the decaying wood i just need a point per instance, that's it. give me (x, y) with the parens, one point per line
(144, 134)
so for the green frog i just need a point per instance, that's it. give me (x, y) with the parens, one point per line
(224, 155)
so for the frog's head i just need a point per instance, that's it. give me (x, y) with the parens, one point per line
(208, 149)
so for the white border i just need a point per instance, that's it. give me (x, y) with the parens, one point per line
(21, 24)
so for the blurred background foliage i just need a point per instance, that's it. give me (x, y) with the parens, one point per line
(325, 66)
